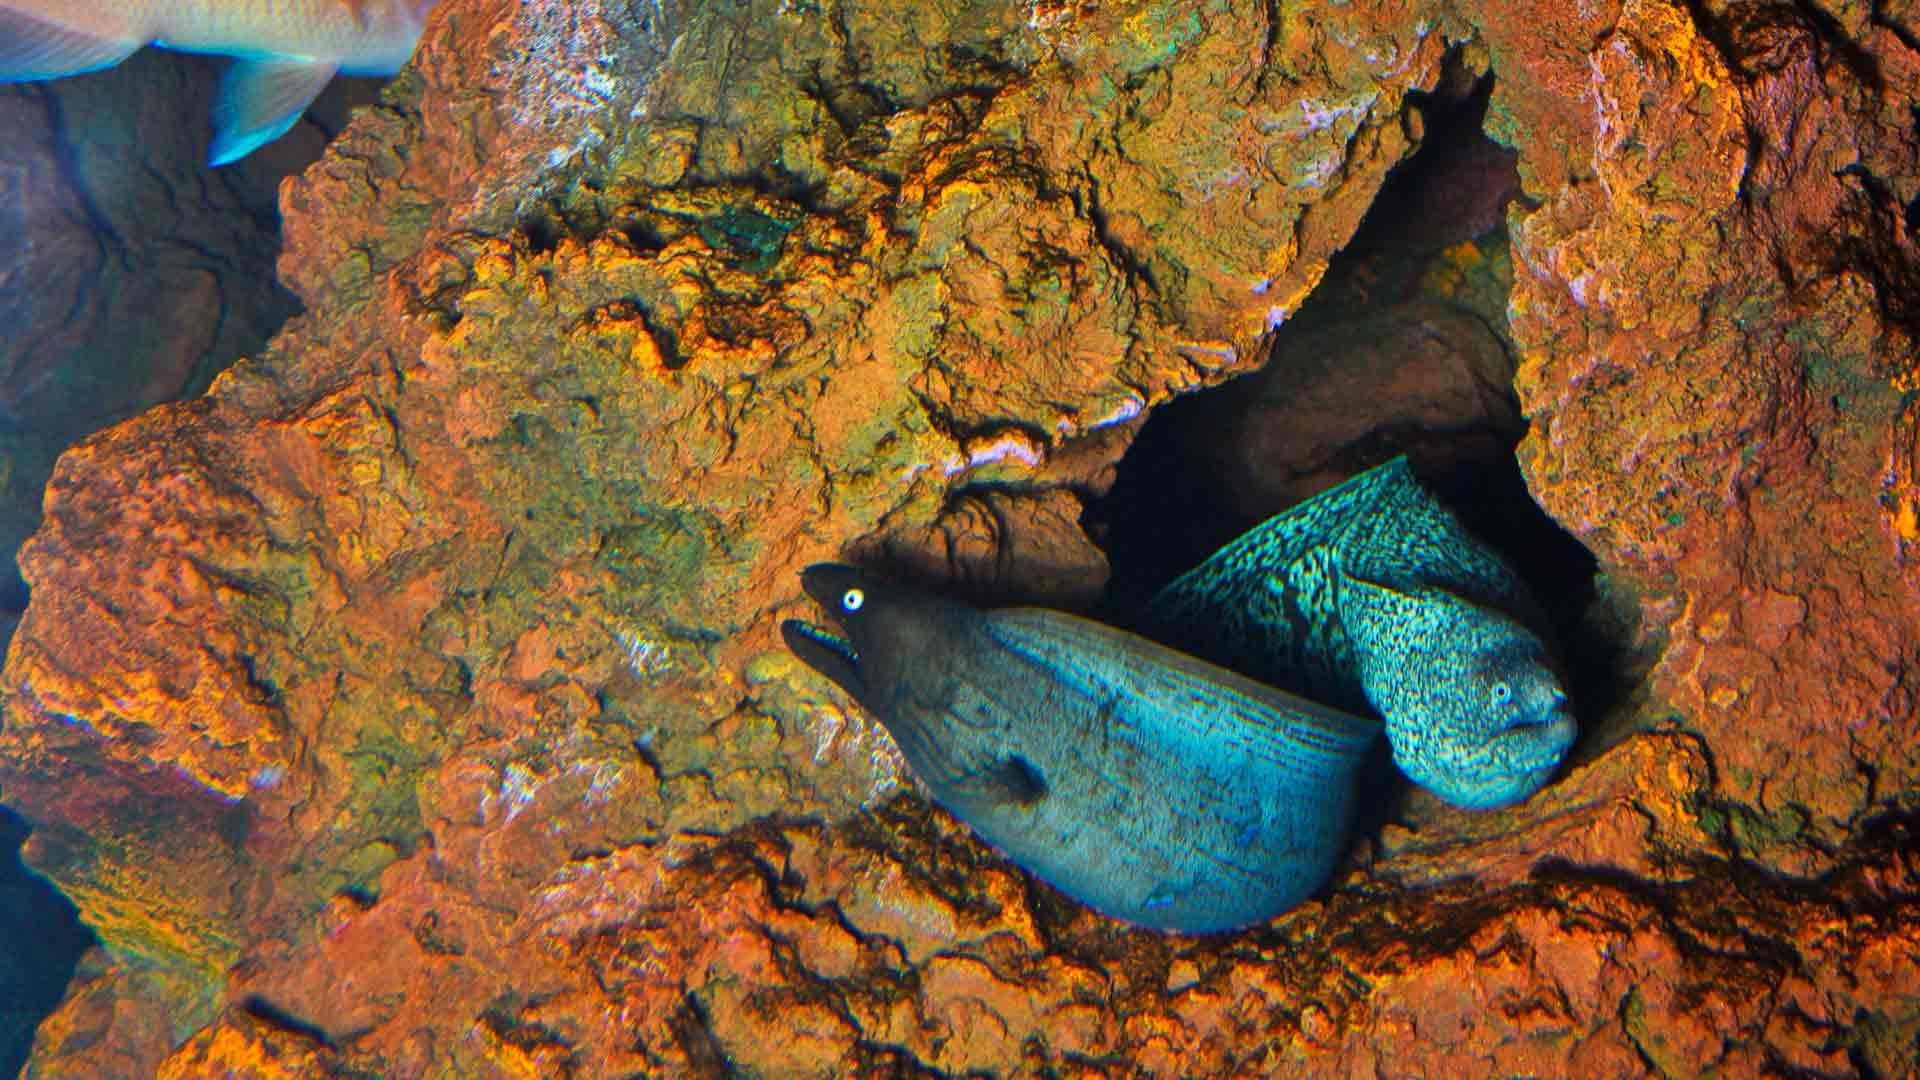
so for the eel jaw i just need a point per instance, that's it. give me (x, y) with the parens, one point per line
(827, 653)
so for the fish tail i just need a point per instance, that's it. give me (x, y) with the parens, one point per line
(260, 100)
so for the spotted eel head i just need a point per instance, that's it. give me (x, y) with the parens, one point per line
(1474, 707)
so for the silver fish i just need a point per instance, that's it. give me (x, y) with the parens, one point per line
(287, 50)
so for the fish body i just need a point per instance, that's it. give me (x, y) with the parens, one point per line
(1144, 782)
(286, 50)
(1373, 596)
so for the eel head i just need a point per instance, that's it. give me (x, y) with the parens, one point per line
(1474, 706)
(1508, 725)
(843, 591)
(904, 656)
(893, 643)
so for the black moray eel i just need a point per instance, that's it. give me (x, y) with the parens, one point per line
(1371, 596)
(1143, 782)
(1167, 790)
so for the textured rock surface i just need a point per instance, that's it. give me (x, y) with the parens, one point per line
(410, 703)
(129, 272)
(1715, 309)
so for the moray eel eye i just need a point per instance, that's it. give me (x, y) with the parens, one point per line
(852, 599)
(1502, 693)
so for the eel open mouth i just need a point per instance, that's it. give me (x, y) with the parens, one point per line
(825, 652)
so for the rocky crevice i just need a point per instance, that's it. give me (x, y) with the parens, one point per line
(444, 626)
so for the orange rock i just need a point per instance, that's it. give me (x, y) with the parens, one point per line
(405, 705)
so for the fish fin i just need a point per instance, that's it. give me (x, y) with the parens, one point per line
(34, 48)
(260, 100)
(1235, 607)
(1009, 780)
(1285, 538)
(1409, 539)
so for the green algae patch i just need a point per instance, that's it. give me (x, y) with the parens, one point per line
(756, 237)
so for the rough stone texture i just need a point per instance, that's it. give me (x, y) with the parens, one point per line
(1403, 347)
(1715, 309)
(130, 273)
(410, 704)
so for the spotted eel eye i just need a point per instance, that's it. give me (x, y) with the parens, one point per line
(1502, 693)
(852, 599)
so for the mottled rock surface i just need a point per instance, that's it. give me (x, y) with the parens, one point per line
(130, 273)
(411, 702)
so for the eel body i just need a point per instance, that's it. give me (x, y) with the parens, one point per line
(1371, 596)
(1144, 782)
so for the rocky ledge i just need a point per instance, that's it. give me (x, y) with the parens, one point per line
(411, 703)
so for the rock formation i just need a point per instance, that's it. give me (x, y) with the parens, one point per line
(411, 702)
(130, 273)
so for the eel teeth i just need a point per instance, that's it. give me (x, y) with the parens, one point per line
(838, 644)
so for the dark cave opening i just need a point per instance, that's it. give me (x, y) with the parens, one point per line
(1402, 349)
(44, 941)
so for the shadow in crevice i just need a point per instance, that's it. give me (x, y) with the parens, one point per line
(1403, 349)
(41, 939)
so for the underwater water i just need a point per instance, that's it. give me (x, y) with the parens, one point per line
(131, 274)
(41, 940)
